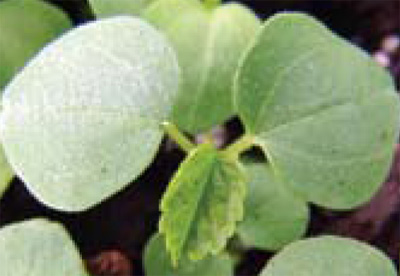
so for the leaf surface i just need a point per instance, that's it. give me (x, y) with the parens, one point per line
(18, 43)
(158, 263)
(273, 215)
(79, 123)
(328, 255)
(325, 114)
(202, 204)
(38, 248)
(6, 173)
(106, 8)
(209, 44)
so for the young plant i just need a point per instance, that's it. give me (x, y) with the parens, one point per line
(80, 122)
(25, 27)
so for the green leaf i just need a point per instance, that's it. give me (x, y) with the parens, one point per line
(331, 256)
(83, 118)
(325, 114)
(209, 43)
(6, 174)
(202, 204)
(157, 262)
(105, 8)
(38, 248)
(273, 215)
(25, 27)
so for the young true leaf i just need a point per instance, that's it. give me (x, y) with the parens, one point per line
(273, 216)
(25, 27)
(104, 8)
(209, 43)
(38, 248)
(79, 123)
(331, 256)
(157, 262)
(202, 204)
(324, 113)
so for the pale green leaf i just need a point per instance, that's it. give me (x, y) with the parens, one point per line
(202, 204)
(83, 118)
(106, 8)
(38, 248)
(25, 27)
(273, 215)
(158, 263)
(209, 44)
(328, 255)
(325, 114)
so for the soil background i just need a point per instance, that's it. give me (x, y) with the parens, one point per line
(112, 235)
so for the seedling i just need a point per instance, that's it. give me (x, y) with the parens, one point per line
(86, 116)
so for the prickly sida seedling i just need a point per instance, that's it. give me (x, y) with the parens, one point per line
(79, 123)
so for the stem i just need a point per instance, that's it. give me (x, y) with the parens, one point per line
(210, 4)
(178, 137)
(244, 143)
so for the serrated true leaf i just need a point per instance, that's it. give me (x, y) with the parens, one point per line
(326, 114)
(105, 8)
(25, 27)
(83, 118)
(38, 248)
(209, 44)
(328, 255)
(273, 215)
(202, 204)
(158, 263)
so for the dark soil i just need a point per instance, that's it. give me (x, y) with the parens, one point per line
(112, 235)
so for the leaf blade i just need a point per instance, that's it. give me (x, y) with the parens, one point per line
(274, 216)
(89, 106)
(157, 262)
(339, 256)
(209, 45)
(202, 205)
(38, 248)
(321, 103)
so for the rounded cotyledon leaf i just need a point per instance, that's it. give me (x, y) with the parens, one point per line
(273, 215)
(209, 44)
(329, 255)
(106, 8)
(38, 248)
(25, 27)
(325, 114)
(158, 263)
(83, 118)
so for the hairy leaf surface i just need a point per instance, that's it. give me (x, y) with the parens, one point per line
(328, 255)
(202, 204)
(158, 263)
(209, 44)
(273, 215)
(83, 118)
(106, 8)
(38, 248)
(326, 114)
(25, 27)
